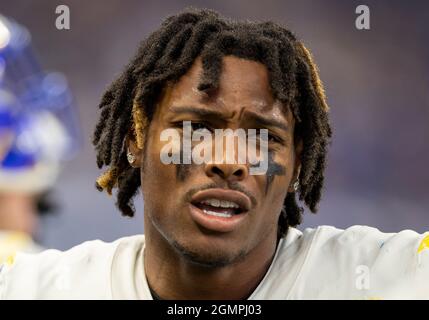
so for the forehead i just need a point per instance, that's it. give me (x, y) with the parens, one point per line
(243, 86)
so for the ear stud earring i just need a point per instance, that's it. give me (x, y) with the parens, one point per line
(130, 157)
(296, 185)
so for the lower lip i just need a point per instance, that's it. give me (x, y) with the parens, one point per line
(215, 223)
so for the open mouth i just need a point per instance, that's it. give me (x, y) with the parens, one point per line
(219, 208)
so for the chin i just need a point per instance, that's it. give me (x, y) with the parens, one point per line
(208, 256)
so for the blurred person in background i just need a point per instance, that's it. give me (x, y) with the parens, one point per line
(37, 133)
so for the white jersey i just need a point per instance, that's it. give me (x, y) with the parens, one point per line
(15, 241)
(322, 263)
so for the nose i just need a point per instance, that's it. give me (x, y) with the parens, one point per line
(230, 172)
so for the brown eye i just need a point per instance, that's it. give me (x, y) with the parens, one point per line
(273, 138)
(199, 126)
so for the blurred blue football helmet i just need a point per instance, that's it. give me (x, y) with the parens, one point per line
(38, 123)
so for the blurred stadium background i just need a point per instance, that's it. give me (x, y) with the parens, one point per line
(377, 83)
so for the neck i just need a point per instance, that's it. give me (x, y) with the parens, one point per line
(172, 276)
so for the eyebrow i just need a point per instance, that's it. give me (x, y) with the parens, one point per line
(261, 121)
(198, 111)
(267, 122)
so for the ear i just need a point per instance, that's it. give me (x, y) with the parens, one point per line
(297, 165)
(134, 150)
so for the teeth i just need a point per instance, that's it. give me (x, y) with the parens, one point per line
(228, 204)
(218, 214)
(215, 203)
(221, 203)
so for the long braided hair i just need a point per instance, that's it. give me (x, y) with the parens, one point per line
(129, 103)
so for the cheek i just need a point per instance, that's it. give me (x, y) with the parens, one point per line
(279, 191)
(157, 178)
(279, 175)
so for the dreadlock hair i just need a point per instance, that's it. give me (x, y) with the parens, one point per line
(129, 103)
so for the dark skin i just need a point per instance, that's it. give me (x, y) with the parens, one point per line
(182, 259)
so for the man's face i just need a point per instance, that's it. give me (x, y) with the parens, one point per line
(180, 197)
